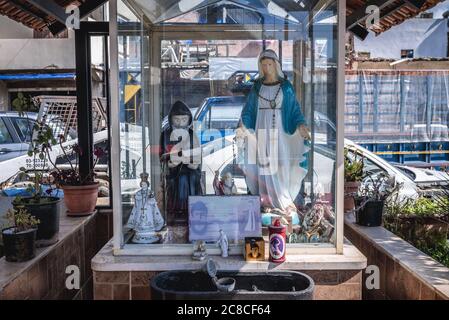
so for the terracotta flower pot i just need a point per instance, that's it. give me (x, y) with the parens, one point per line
(350, 187)
(80, 200)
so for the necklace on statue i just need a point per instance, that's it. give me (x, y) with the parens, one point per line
(272, 103)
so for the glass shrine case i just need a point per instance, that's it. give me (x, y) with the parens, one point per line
(228, 116)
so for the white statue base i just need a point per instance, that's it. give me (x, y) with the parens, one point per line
(145, 238)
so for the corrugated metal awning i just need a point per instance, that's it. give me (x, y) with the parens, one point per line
(44, 15)
(391, 13)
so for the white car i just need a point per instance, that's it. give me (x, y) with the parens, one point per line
(221, 159)
(426, 178)
(16, 130)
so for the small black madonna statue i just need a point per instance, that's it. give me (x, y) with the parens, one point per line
(180, 156)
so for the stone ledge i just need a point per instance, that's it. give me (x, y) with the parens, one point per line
(9, 271)
(427, 270)
(352, 259)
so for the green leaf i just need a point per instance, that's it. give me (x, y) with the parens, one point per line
(17, 104)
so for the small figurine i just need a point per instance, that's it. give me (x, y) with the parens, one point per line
(225, 185)
(145, 218)
(199, 252)
(176, 234)
(223, 244)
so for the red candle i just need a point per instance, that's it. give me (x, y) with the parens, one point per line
(278, 242)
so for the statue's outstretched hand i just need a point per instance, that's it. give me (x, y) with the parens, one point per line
(304, 132)
(240, 133)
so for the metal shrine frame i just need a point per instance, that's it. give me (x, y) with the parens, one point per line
(119, 248)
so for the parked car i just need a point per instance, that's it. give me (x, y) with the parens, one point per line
(218, 115)
(425, 178)
(16, 132)
(373, 165)
(241, 81)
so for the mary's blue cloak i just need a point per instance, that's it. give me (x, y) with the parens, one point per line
(292, 116)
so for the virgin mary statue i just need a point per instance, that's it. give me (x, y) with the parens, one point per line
(271, 140)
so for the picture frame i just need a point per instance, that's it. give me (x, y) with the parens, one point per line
(238, 216)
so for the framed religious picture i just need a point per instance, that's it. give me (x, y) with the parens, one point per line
(254, 249)
(238, 216)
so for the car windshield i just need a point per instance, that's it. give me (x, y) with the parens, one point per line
(5, 137)
(369, 167)
(407, 172)
(24, 128)
(222, 116)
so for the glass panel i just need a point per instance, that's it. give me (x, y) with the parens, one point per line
(222, 12)
(319, 201)
(134, 135)
(100, 116)
(232, 13)
(244, 138)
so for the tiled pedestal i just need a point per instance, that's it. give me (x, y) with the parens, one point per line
(128, 277)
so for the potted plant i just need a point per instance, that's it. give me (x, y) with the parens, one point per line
(371, 198)
(41, 205)
(353, 178)
(80, 193)
(19, 239)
